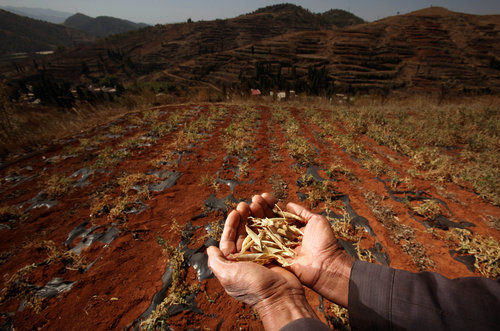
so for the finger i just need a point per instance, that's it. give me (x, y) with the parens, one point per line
(244, 211)
(228, 272)
(228, 239)
(261, 208)
(270, 199)
(217, 263)
(300, 211)
(271, 203)
(257, 209)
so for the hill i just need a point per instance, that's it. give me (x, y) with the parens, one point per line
(341, 18)
(48, 15)
(293, 13)
(101, 26)
(289, 48)
(23, 34)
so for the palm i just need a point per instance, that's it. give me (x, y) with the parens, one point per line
(263, 282)
(250, 282)
(318, 245)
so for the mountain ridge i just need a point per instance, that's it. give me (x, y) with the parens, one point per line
(273, 49)
(24, 34)
(44, 14)
(101, 26)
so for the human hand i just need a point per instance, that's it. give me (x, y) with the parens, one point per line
(319, 264)
(275, 293)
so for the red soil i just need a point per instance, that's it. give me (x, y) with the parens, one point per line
(119, 287)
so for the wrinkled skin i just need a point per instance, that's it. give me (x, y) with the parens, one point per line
(250, 282)
(247, 281)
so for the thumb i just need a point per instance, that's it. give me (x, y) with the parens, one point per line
(216, 261)
(299, 210)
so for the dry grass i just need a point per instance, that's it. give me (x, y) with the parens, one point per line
(177, 291)
(401, 234)
(339, 317)
(133, 189)
(55, 253)
(215, 230)
(210, 182)
(26, 127)
(11, 213)
(454, 142)
(428, 209)
(298, 146)
(319, 191)
(18, 285)
(342, 228)
(116, 129)
(108, 158)
(375, 165)
(485, 249)
(239, 137)
(339, 169)
(279, 187)
(57, 186)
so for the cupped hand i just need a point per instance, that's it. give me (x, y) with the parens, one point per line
(275, 293)
(250, 282)
(234, 230)
(247, 281)
(320, 264)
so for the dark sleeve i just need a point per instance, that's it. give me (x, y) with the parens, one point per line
(381, 298)
(305, 324)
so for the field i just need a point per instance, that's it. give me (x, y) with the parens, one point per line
(107, 228)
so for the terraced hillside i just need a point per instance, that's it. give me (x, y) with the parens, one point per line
(164, 46)
(289, 48)
(427, 50)
(108, 229)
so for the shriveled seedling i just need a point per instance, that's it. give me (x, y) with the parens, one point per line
(272, 239)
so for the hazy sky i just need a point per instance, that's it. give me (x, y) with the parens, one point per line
(168, 11)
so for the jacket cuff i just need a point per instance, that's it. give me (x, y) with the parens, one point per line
(370, 293)
(305, 323)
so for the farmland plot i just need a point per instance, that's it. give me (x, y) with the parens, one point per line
(109, 229)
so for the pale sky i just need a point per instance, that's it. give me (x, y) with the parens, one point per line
(169, 11)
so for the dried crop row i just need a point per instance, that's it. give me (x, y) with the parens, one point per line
(56, 185)
(448, 143)
(124, 188)
(321, 195)
(107, 150)
(298, 146)
(346, 139)
(195, 141)
(332, 140)
(282, 182)
(186, 135)
(427, 209)
(237, 136)
(190, 136)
